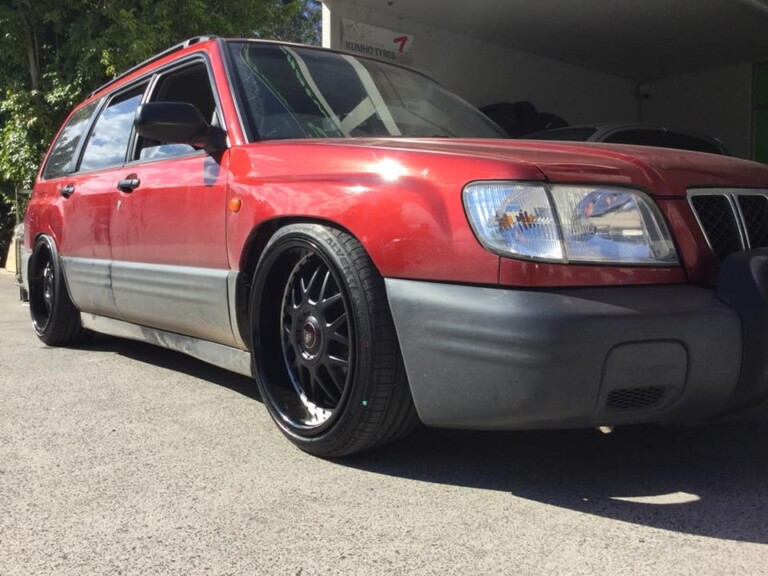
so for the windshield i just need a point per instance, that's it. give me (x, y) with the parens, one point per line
(294, 92)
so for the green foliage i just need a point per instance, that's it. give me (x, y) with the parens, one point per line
(7, 222)
(53, 52)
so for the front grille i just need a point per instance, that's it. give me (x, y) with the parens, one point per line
(732, 220)
(628, 399)
(754, 210)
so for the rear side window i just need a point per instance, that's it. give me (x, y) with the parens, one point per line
(664, 139)
(108, 142)
(60, 159)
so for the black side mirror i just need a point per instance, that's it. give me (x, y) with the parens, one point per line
(178, 123)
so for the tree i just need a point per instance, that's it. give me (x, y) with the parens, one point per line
(53, 52)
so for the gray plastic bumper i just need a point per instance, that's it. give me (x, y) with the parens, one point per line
(492, 358)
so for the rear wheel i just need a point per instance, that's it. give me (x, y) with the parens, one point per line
(327, 359)
(55, 318)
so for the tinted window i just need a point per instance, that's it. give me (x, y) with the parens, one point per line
(191, 85)
(108, 142)
(663, 139)
(579, 134)
(60, 158)
(292, 92)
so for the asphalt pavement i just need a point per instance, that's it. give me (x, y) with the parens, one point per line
(118, 458)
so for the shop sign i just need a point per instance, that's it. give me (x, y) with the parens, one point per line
(375, 42)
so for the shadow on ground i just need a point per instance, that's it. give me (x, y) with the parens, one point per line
(709, 481)
(175, 361)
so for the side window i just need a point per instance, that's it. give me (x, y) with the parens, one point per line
(60, 158)
(191, 84)
(108, 142)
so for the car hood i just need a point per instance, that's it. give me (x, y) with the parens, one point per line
(661, 171)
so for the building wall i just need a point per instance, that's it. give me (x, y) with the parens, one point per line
(716, 102)
(485, 73)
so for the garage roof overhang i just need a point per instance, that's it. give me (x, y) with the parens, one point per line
(640, 39)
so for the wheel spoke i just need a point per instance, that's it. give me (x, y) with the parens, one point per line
(328, 302)
(311, 284)
(331, 394)
(321, 297)
(335, 379)
(340, 338)
(305, 380)
(303, 289)
(335, 361)
(336, 324)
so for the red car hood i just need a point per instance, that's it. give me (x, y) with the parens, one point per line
(661, 171)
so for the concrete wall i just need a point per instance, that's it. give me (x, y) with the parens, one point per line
(716, 102)
(484, 73)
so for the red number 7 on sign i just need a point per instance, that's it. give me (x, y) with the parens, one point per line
(402, 41)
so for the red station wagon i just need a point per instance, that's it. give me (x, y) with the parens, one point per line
(374, 251)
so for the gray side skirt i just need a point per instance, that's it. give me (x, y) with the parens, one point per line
(219, 355)
(179, 299)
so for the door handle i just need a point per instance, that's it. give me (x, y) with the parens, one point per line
(67, 191)
(128, 185)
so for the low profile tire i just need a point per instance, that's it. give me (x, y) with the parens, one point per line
(55, 318)
(328, 363)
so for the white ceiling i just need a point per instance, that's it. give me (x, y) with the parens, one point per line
(638, 39)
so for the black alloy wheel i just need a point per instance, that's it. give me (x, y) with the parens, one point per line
(316, 335)
(55, 318)
(327, 360)
(44, 292)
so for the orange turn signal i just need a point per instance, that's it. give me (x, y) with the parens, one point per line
(235, 204)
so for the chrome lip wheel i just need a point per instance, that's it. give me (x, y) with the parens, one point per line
(316, 346)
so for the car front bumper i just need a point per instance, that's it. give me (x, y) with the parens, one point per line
(493, 358)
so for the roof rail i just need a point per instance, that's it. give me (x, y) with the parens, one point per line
(163, 54)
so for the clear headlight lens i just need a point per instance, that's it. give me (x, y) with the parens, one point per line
(569, 223)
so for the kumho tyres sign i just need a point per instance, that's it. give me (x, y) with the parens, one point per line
(375, 42)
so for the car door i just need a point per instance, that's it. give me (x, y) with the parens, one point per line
(86, 199)
(167, 233)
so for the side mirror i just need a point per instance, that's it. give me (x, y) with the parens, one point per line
(178, 123)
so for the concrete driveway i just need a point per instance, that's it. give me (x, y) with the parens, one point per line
(119, 458)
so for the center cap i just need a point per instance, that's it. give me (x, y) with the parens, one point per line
(309, 335)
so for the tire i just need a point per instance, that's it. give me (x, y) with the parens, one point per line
(327, 359)
(55, 318)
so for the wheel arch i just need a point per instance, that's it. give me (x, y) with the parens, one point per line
(54, 248)
(251, 253)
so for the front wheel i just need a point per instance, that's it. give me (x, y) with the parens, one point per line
(328, 362)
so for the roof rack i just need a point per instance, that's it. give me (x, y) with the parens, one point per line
(163, 54)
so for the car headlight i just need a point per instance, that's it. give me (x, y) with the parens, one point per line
(569, 223)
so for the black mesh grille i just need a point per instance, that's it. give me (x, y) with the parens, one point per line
(754, 209)
(718, 222)
(635, 398)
